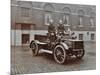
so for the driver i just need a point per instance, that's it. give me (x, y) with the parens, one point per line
(51, 27)
(51, 31)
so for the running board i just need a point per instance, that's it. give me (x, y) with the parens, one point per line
(46, 51)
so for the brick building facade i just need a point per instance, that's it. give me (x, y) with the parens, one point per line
(31, 18)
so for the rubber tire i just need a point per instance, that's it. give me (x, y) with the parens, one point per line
(34, 53)
(81, 55)
(64, 54)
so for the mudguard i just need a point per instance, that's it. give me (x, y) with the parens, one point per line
(64, 45)
(38, 42)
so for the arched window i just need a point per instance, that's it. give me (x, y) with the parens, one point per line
(92, 19)
(81, 15)
(25, 8)
(48, 17)
(66, 17)
(48, 14)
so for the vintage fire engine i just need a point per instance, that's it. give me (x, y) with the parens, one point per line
(61, 48)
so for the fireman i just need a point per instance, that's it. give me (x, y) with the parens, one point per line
(61, 28)
(51, 31)
(51, 27)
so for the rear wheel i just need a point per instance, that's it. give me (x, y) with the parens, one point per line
(80, 54)
(59, 54)
(34, 48)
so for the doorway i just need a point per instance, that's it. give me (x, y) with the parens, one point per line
(25, 39)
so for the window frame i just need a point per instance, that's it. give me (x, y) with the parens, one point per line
(92, 34)
(80, 21)
(25, 12)
(66, 19)
(81, 37)
(48, 17)
(92, 21)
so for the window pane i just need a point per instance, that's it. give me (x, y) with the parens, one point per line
(92, 36)
(24, 11)
(66, 19)
(80, 36)
(81, 21)
(91, 22)
(47, 18)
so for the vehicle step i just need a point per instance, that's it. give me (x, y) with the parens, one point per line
(46, 51)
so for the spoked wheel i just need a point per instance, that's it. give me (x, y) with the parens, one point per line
(34, 48)
(59, 54)
(80, 54)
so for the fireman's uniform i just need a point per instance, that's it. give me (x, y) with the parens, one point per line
(51, 32)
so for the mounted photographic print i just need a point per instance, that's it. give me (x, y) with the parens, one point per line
(52, 37)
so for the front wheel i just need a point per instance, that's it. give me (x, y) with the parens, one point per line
(34, 48)
(59, 54)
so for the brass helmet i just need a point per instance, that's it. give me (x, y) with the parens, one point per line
(60, 21)
(51, 21)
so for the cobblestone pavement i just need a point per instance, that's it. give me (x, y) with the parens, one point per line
(22, 61)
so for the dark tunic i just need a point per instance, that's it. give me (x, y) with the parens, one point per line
(61, 28)
(51, 28)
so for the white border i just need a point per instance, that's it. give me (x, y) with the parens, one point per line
(5, 37)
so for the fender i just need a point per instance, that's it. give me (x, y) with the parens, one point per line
(38, 42)
(65, 45)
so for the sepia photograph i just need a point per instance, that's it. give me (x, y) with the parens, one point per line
(52, 37)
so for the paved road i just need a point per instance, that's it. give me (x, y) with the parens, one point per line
(22, 61)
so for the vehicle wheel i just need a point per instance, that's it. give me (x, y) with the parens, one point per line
(80, 54)
(59, 54)
(34, 48)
